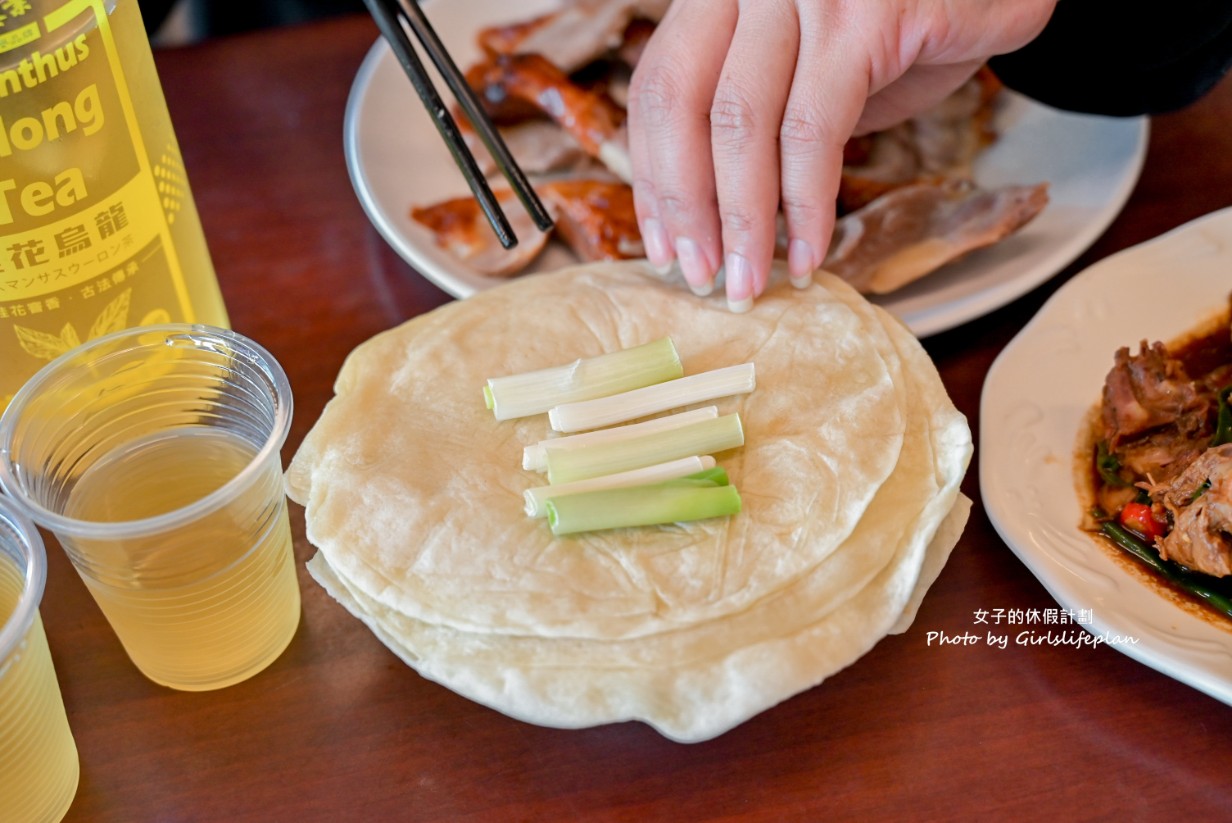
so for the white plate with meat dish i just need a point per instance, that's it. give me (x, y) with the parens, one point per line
(397, 160)
(1034, 407)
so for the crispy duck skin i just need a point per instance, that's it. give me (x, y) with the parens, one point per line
(579, 33)
(1199, 502)
(912, 231)
(903, 236)
(460, 227)
(502, 108)
(594, 217)
(594, 121)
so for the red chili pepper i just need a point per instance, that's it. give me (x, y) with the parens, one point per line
(1140, 518)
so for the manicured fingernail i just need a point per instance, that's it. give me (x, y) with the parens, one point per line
(739, 276)
(800, 263)
(694, 267)
(658, 252)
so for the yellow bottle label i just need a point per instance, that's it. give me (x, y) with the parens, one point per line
(86, 208)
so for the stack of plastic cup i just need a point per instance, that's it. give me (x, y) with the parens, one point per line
(38, 758)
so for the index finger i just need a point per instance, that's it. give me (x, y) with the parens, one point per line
(669, 131)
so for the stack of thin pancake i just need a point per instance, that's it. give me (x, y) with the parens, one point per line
(850, 480)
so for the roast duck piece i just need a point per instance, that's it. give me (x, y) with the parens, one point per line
(555, 85)
(578, 34)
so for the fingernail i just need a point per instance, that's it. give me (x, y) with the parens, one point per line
(800, 263)
(694, 267)
(739, 283)
(658, 252)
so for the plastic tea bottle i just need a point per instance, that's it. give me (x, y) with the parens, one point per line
(98, 229)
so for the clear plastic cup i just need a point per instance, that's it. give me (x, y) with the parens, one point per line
(153, 456)
(38, 758)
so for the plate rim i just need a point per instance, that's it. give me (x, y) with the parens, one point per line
(922, 320)
(355, 171)
(977, 305)
(1037, 546)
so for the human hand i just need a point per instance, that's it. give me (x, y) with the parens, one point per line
(738, 107)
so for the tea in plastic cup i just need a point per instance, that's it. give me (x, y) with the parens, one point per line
(153, 456)
(38, 758)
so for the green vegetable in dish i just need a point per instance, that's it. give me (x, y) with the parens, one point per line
(1215, 592)
(1108, 466)
(1223, 420)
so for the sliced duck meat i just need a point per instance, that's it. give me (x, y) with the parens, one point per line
(940, 143)
(539, 146)
(594, 121)
(573, 36)
(875, 164)
(948, 136)
(911, 231)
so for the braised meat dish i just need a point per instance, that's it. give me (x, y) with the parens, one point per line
(1162, 453)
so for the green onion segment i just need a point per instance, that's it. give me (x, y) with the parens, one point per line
(701, 437)
(651, 399)
(536, 498)
(535, 392)
(535, 456)
(640, 506)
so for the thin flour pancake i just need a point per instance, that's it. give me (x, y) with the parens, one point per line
(695, 680)
(693, 684)
(413, 491)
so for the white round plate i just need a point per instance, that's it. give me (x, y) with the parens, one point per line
(397, 160)
(1035, 399)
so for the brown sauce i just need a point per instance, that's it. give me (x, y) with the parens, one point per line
(1205, 350)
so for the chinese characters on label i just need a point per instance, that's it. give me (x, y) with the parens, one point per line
(33, 264)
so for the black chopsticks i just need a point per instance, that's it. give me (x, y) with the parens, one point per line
(390, 16)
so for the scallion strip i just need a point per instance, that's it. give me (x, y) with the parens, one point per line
(640, 506)
(537, 497)
(521, 395)
(535, 456)
(630, 405)
(702, 437)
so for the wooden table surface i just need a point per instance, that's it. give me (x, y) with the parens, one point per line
(339, 729)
